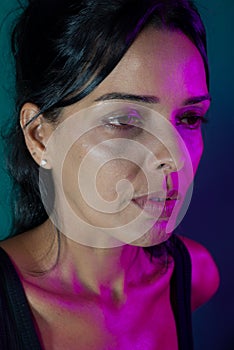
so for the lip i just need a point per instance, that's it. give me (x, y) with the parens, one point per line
(162, 209)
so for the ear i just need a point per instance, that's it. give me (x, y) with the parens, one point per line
(36, 133)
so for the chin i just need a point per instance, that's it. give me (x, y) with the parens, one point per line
(155, 236)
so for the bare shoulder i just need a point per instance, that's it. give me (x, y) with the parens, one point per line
(205, 274)
(8, 244)
(28, 247)
(14, 248)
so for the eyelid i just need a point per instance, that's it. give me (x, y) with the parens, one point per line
(200, 119)
(128, 115)
(199, 110)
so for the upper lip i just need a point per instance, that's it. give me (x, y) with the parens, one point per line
(171, 194)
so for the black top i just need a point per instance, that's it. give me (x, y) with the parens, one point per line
(17, 330)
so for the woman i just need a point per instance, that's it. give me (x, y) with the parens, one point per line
(113, 92)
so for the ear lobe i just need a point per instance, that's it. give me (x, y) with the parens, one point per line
(35, 133)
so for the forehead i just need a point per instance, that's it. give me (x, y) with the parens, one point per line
(161, 63)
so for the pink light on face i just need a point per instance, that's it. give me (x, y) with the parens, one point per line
(115, 163)
(148, 154)
(194, 74)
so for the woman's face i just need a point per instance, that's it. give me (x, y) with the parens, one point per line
(126, 162)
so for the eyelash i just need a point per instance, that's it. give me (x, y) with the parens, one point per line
(128, 128)
(125, 127)
(190, 116)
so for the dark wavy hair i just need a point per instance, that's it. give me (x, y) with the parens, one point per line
(63, 49)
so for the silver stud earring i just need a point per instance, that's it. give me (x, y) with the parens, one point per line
(43, 162)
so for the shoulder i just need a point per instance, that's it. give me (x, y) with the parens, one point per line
(205, 274)
(26, 248)
(15, 251)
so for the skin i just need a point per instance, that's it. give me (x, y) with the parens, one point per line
(90, 292)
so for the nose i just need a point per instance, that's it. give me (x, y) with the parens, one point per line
(167, 164)
(167, 158)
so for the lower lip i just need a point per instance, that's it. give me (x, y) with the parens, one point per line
(160, 210)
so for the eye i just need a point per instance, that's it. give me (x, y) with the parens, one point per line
(129, 122)
(191, 121)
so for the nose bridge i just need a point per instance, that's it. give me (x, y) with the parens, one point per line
(166, 151)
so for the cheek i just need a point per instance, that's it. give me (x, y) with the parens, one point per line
(70, 169)
(96, 171)
(115, 178)
(195, 146)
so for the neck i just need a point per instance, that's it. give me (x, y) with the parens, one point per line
(80, 268)
(101, 269)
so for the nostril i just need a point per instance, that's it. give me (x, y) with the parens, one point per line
(160, 166)
(164, 166)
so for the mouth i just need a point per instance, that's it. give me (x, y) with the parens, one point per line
(157, 205)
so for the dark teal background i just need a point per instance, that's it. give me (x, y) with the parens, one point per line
(211, 213)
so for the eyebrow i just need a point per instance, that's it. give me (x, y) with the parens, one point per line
(149, 99)
(128, 97)
(197, 99)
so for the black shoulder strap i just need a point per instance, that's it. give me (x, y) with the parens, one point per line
(181, 292)
(17, 331)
